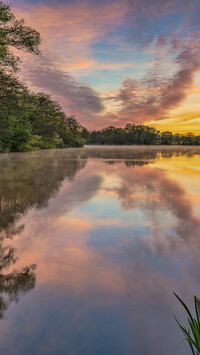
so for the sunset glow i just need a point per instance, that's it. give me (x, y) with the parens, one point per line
(111, 62)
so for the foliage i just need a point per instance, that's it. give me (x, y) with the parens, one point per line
(14, 33)
(31, 121)
(137, 134)
(192, 333)
(28, 121)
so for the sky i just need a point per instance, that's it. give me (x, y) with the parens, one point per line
(111, 62)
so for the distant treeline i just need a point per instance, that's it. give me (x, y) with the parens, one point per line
(137, 134)
(28, 121)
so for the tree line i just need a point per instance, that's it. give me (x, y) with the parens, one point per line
(28, 120)
(137, 134)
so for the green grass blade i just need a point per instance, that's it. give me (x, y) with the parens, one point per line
(192, 334)
(191, 347)
(197, 308)
(186, 308)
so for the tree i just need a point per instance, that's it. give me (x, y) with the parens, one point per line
(13, 97)
(28, 121)
(14, 33)
(166, 138)
(15, 130)
(138, 134)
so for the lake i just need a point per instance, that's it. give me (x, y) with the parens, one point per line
(93, 243)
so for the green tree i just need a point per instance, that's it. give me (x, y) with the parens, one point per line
(166, 138)
(14, 33)
(27, 120)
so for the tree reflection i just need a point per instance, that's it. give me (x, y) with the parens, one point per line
(15, 283)
(141, 153)
(26, 181)
(30, 180)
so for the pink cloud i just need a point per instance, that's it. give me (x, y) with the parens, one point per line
(70, 30)
(157, 93)
(76, 25)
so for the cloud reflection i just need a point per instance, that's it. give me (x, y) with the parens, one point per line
(111, 246)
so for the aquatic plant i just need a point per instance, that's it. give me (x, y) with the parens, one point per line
(192, 333)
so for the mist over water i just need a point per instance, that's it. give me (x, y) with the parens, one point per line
(93, 243)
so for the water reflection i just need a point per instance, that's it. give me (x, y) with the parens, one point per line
(156, 194)
(26, 181)
(14, 283)
(113, 232)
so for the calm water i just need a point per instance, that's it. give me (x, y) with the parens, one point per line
(93, 243)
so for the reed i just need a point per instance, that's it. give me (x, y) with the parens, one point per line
(192, 332)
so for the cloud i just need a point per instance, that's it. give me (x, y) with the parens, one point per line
(158, 92)
(174, 47)
(150, 19)
(90, 37)
(68, 29)
(75, 97)
(75, 24)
